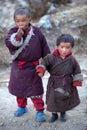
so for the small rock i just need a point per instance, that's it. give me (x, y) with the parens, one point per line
(1, 123)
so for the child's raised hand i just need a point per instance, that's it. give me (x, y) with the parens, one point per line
(20, 32)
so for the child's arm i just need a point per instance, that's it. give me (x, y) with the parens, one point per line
(41, 68)
(12, 40)
(78, 81)
(77, 77)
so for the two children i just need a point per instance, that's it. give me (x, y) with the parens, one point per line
(65, 76)
(27, 45)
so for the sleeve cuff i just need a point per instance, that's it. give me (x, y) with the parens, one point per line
(78, 77)
(15, 40)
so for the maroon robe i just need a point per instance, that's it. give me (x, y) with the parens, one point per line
(23, 80)
(61, 94)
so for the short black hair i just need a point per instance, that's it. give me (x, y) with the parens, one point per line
(65, 38)
(22, 11)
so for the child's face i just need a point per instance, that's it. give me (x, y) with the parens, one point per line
(64, 49)
(22, 21)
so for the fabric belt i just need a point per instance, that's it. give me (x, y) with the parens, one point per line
(21, 63)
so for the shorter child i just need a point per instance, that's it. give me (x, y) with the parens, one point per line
(65, 75)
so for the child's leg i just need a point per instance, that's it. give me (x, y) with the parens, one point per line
(39, 105)
(22, 102)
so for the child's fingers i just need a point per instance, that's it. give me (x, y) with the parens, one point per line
(20, 32)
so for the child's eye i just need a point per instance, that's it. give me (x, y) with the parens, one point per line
(67, 47)
(24, 20)
(17, 21)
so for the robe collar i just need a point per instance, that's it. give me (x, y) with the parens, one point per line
(56, 53)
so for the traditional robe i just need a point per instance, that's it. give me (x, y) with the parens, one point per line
(24, 81)
(61, 94)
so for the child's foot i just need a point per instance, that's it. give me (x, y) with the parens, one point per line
(53, 118)
(40, 116)
(63, 116)
(20, 111)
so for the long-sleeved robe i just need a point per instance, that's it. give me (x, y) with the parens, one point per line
(61, 95)
(24, 81)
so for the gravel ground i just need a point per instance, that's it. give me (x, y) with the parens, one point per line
(76, 118)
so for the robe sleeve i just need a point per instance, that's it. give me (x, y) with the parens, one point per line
(45, 64)
(77, 75)
(11, 41)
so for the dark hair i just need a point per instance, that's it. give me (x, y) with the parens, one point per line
(65, 38)
(22, 11)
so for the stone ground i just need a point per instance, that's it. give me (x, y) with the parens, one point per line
(76, 118)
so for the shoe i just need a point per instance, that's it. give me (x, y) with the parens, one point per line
(53, 118)
(63, 116)
(40, 116)
(20, 111)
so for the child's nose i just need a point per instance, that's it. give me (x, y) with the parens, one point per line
(64, 49)
(20, 24)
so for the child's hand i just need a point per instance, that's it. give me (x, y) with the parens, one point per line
(40, 74)
(77, 83)
(20, 33)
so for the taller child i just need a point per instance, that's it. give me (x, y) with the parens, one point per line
(27, 45)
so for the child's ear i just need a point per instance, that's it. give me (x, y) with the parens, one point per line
(30, 19)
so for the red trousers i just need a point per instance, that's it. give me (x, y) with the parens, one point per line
(38, 102)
